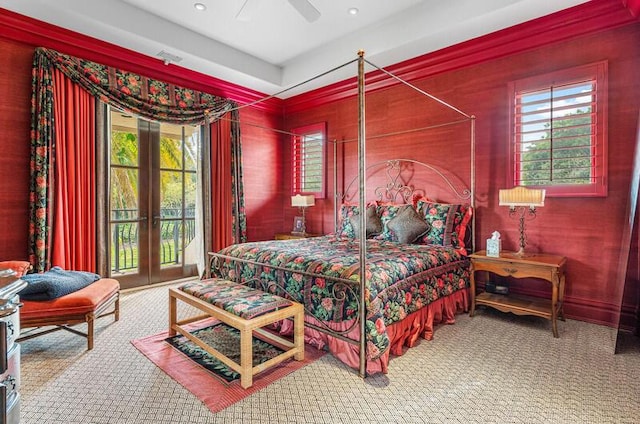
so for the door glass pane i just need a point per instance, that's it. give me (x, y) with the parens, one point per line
(179, 150)
(124, 193)
(190, 193)
(190, 189)
(124, 247)
(124, 140)
(170, 146)
(191, 143)
(171, 194)
(170, 242)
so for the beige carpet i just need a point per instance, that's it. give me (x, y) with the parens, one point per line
(493, 368)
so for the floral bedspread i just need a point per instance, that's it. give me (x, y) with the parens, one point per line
(401, 278)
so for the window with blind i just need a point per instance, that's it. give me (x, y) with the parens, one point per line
(558, 132)
(308, 164)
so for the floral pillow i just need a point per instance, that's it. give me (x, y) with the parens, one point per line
(449, 222)
(346, 212)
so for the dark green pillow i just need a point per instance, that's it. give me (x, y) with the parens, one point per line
(374, 224)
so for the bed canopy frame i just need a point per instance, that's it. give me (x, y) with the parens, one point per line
(394, 187)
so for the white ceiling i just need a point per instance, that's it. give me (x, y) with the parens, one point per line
(273, 47)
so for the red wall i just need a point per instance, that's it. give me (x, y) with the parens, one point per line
(15, 92)
(586, 230)
(262, 152)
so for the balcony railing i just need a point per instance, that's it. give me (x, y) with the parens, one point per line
(124, 237)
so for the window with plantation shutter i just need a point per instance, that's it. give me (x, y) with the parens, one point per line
(308, 164)
(558, 132)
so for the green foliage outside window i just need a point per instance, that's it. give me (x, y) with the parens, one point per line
(562, 155)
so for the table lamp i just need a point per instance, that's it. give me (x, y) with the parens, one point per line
(303, 202)
(522, 202)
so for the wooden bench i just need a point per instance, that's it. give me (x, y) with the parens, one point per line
(247, 310)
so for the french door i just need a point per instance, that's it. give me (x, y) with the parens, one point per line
(152, 200)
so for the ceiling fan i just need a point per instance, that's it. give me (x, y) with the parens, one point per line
(304, 8)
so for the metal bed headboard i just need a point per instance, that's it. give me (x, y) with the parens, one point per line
(398, 187)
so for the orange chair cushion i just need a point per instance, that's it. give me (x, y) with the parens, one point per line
(20, 267)
(79, 302)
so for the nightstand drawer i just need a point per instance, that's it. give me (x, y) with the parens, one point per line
(514, 269)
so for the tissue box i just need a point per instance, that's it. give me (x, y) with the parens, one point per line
(493, 247)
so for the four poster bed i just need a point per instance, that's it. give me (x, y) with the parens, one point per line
(413, 250)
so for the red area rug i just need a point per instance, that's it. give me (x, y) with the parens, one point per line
(213, 390)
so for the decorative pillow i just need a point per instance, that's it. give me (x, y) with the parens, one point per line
(449, 223)
(20, 267)
(407, 226)
(374, 224)
(387, 213)
(346, 212)
(345, 228)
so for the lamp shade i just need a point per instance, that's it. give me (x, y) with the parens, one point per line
(303, 201)
(522, 196)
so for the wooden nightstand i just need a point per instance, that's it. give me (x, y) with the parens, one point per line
(546, 267)
(290, 236)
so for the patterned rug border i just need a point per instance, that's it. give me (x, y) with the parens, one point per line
(212, 390)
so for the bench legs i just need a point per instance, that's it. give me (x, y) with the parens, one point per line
(90, 322)
(298, 334)
(246, 358)
(99, 314)
(173, 315)
(92, 316)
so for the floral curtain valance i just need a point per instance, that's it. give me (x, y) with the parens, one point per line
(137, 94)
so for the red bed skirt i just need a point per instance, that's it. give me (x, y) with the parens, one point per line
(403, 334)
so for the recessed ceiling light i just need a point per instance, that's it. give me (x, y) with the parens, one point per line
(353, 10)
(200, 6)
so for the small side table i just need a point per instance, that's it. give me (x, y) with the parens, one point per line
(550, 268)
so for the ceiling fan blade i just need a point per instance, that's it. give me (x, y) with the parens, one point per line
(306, 9)
(247, 10)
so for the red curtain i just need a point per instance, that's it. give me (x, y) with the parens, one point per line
(74, 219)
(221, 176)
